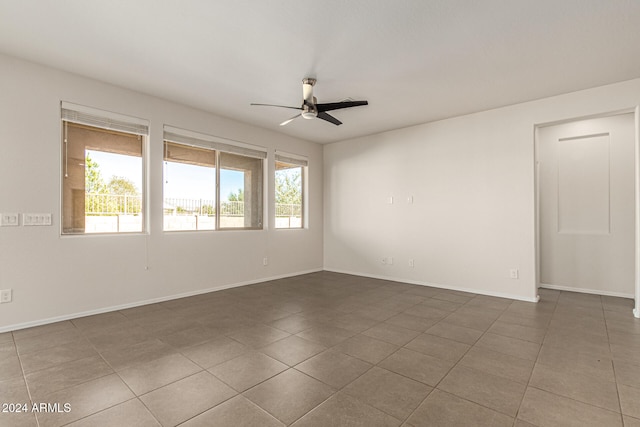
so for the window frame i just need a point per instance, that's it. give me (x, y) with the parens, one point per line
(103, 121)
(220, 146)
(303, 163)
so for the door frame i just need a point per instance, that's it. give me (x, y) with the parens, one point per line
(636, 112)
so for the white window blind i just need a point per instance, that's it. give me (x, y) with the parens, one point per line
(195, 139)
(80, 114)
(291, 159)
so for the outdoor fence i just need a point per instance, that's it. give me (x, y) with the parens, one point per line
(179, 213)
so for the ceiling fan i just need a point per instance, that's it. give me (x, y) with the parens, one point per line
(311, 109)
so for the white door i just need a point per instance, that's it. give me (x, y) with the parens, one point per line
(586, 205)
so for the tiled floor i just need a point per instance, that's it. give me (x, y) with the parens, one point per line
(328, 349)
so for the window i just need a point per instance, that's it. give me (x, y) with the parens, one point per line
(189, 187)
(240, 191)
(103, 172)
(289, 191)
(210, 184)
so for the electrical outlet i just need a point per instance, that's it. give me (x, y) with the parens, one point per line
(5, 296)
(410, 200)
(513, 273)
(412, 263)
(265, 261)
(9, 220)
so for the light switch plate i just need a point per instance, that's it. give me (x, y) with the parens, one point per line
(9, 220)
(36, 219)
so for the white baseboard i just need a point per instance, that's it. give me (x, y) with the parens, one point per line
(76, 315)
(437, 285)
(587, 291)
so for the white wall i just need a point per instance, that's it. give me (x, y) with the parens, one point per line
(56, 277)
(472, 180)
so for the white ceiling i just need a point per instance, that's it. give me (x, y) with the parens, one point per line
(415, 61)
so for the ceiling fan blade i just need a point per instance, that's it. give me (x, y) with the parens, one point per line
(329, 118)
(338, 105)
(281, 106)
(286, 122)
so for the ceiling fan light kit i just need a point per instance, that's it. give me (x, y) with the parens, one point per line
(310, 109)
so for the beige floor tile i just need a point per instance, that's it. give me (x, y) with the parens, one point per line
(431, 309)
(247, 370)
(292, 324)
(343, 410)
(50, 328)
(390, 333)
(579, 343)
(453, 332)
(289, 395)
(9, 365)
(528, 319)
(428, 304)
(442, 409)
(85, 399)
(470, 320)
(18, 419)
(420, 367)
(116, 338)
(629, 400)
(486, 302)
(47, 381)
(500, 364)
(101, 321)
(142, 352)
(190, 337)
(481, 348)
(576, 385)
(14, 391)
(568, 361)
(145, 377)
(627, 373)
(629, 352)
(353, 322)
(511, 346)
(214, 352)
(414, 323)
(393, 394)
(366, 348)
(542, 408)
(326, 335)
(447, 296)
(235, 412)
(293, 350)
(184, 399)
(53, 356)
(131, 413)
(31, 343)
(630, 421)
(485, 389)
(627, 325)
(525, 333)
(334, 368)
(258, 336)
(442, 348)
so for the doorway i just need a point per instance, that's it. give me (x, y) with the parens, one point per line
(586, 205)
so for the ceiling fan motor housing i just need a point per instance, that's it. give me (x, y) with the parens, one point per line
(309, 110)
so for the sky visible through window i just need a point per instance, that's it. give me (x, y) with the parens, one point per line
(181, 180)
